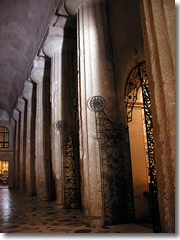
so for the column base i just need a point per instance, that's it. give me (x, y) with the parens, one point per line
(59, 205)
(93, 221)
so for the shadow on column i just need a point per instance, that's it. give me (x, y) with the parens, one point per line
(70, 131)
(46, 129)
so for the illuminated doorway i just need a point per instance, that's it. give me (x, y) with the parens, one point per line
(4, 166)
(140, 124)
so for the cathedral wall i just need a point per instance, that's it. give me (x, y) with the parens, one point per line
(158, 38)
(127, 46)
(127, 43)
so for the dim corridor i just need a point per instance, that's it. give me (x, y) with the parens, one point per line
(22, 214)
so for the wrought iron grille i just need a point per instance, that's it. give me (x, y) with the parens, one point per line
(70, 148)
(71, 176)
(136, 79)
(116, 165)
(133, 84)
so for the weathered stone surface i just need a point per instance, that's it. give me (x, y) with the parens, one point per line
(95, 79)
(29, 95)
(58, 47)
(159, 50)
(42, 157)
(72, 7)
(16, 117)
(21, 106)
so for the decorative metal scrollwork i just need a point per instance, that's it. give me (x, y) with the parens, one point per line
(97, 104)
(116, 166)
(71, 176)
(151, 155)
(116, 170)
(133, 84)
(136, 79)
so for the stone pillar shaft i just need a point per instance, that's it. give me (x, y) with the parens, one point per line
(59, 49)
(56, 115)
(42, 158)
(30, 139)
(16, 116)
(158, 25)
(95, 79)
(22, 162)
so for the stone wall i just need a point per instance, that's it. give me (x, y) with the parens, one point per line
(158, 25)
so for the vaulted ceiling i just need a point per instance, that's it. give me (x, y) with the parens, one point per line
(23, 24)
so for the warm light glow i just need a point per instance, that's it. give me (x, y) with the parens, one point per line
(4, 166)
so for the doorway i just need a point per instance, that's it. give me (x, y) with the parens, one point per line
(4, 167)
(139, 119)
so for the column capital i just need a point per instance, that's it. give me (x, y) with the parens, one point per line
(20, 104)
(72, 6)
(37, 75)
(57, 41)
(39, 71)
(54, 41)
(27, 92)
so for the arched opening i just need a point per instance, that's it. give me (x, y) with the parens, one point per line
(4, 164)
(140, 124)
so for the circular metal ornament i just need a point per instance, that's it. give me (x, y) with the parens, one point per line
(97, 103)
(60, 125)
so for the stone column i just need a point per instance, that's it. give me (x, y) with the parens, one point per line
(42, 158)
(57, 49)
(21, 106)
(16, 117)
(158, 25)
(28, 94)
(96, 78)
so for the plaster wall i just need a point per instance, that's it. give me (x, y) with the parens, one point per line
(127, 43)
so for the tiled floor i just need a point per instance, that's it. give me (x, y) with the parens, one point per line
(22, 214)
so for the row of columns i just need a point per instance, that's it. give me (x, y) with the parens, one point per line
(95, 78)
(32, 162)
(33, 131)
